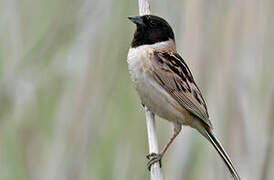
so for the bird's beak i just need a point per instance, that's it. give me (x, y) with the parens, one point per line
(137, 20)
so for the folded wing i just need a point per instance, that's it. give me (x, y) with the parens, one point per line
(172, 73)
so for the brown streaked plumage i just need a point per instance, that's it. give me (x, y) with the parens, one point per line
(170, 70)
(166, 85)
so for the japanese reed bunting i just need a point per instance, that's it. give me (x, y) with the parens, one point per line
(165, 83)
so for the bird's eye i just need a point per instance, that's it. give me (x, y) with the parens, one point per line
(152, 24)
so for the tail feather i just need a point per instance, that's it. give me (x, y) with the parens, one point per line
(219, 148)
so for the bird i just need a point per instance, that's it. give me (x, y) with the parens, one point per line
(166, 85)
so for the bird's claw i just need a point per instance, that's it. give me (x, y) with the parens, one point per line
(154, 158)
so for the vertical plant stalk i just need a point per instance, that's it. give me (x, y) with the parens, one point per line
(155, 172)
(143, 7)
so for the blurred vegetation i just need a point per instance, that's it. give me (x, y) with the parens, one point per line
(69, 111)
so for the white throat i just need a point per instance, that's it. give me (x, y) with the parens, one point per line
(168, 45)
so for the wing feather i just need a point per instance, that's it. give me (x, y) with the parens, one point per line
(172, 73)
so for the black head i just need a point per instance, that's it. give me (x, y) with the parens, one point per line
(150, 29)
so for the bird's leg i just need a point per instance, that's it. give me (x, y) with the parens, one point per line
(153, 157)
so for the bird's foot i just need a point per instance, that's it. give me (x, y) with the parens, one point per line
(154, 158)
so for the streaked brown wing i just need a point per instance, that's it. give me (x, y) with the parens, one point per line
(172, 73)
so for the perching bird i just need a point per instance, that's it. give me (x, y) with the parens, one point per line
(165, 83)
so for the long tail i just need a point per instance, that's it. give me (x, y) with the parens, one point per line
(219, 148)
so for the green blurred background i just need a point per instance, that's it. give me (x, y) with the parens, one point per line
(68, 110)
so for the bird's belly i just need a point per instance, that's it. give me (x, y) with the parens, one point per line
(155, 97)
(159, 101)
